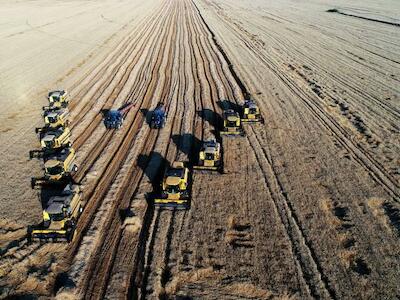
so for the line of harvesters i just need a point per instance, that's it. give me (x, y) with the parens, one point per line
(62, 198)
(176, 184)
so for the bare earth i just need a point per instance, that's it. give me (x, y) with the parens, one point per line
(308, 205)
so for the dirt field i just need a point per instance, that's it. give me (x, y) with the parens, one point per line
(308, 204)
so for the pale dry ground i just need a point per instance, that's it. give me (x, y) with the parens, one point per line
(308, 205)
(44, 43)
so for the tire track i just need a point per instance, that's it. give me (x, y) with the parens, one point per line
(95, 287)
(314, 277)
(372, 166)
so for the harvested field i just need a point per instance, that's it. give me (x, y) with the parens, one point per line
(307, 205)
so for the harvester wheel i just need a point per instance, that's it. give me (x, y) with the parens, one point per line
(29, 234)
(33, 183)
(70, 234)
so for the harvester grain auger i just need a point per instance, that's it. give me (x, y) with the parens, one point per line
(59, 168)
(57, 99)
(51, 141)
(232, 123)
(175, 188)
(54, 118)
(251, 112)
(60, 216)
(210, 156)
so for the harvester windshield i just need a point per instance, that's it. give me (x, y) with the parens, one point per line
(209, 156)
(57, 216)
(230, 123)
(173, 189)
(175, 173)
(52, 119)
(252, 110)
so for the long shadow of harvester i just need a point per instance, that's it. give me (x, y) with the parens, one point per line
(147, 115)
(188, 144)
(227, 104)
(213, 118)
(153, 166)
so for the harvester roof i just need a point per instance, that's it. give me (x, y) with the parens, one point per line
(49, 137)
(55, 208)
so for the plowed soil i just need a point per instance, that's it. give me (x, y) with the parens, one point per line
(307, 205)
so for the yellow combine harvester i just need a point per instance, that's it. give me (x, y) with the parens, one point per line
(59, 168)
(57, 99)
(232, 123)
(251, 112)
(210, 156)
(54, 118)
(59, 217)
(175, 187)
(51, 141)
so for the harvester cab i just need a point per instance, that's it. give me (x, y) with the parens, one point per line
(175, 188)
(251, 112)
(57, 99)
(209, 156)
(51, 141)
(114, 118)
(158, 117)
(59, 217)
(59, 168)
(54, 118)
(232, 123)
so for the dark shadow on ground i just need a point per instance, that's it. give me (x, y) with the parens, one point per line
(213, 118)
(189, 145)
(153, 166)
(227, 104)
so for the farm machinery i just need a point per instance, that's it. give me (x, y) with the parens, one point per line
(158, 117)
(52, 141)
(114, 118)
(60, 216)
(175, 187)
(251, 112)
(209, 156)
(57, 99)
(58, 167)
(54, 118)
(231, 123)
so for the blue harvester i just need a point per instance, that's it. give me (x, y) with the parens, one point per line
(158, 117)
(114, 118)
